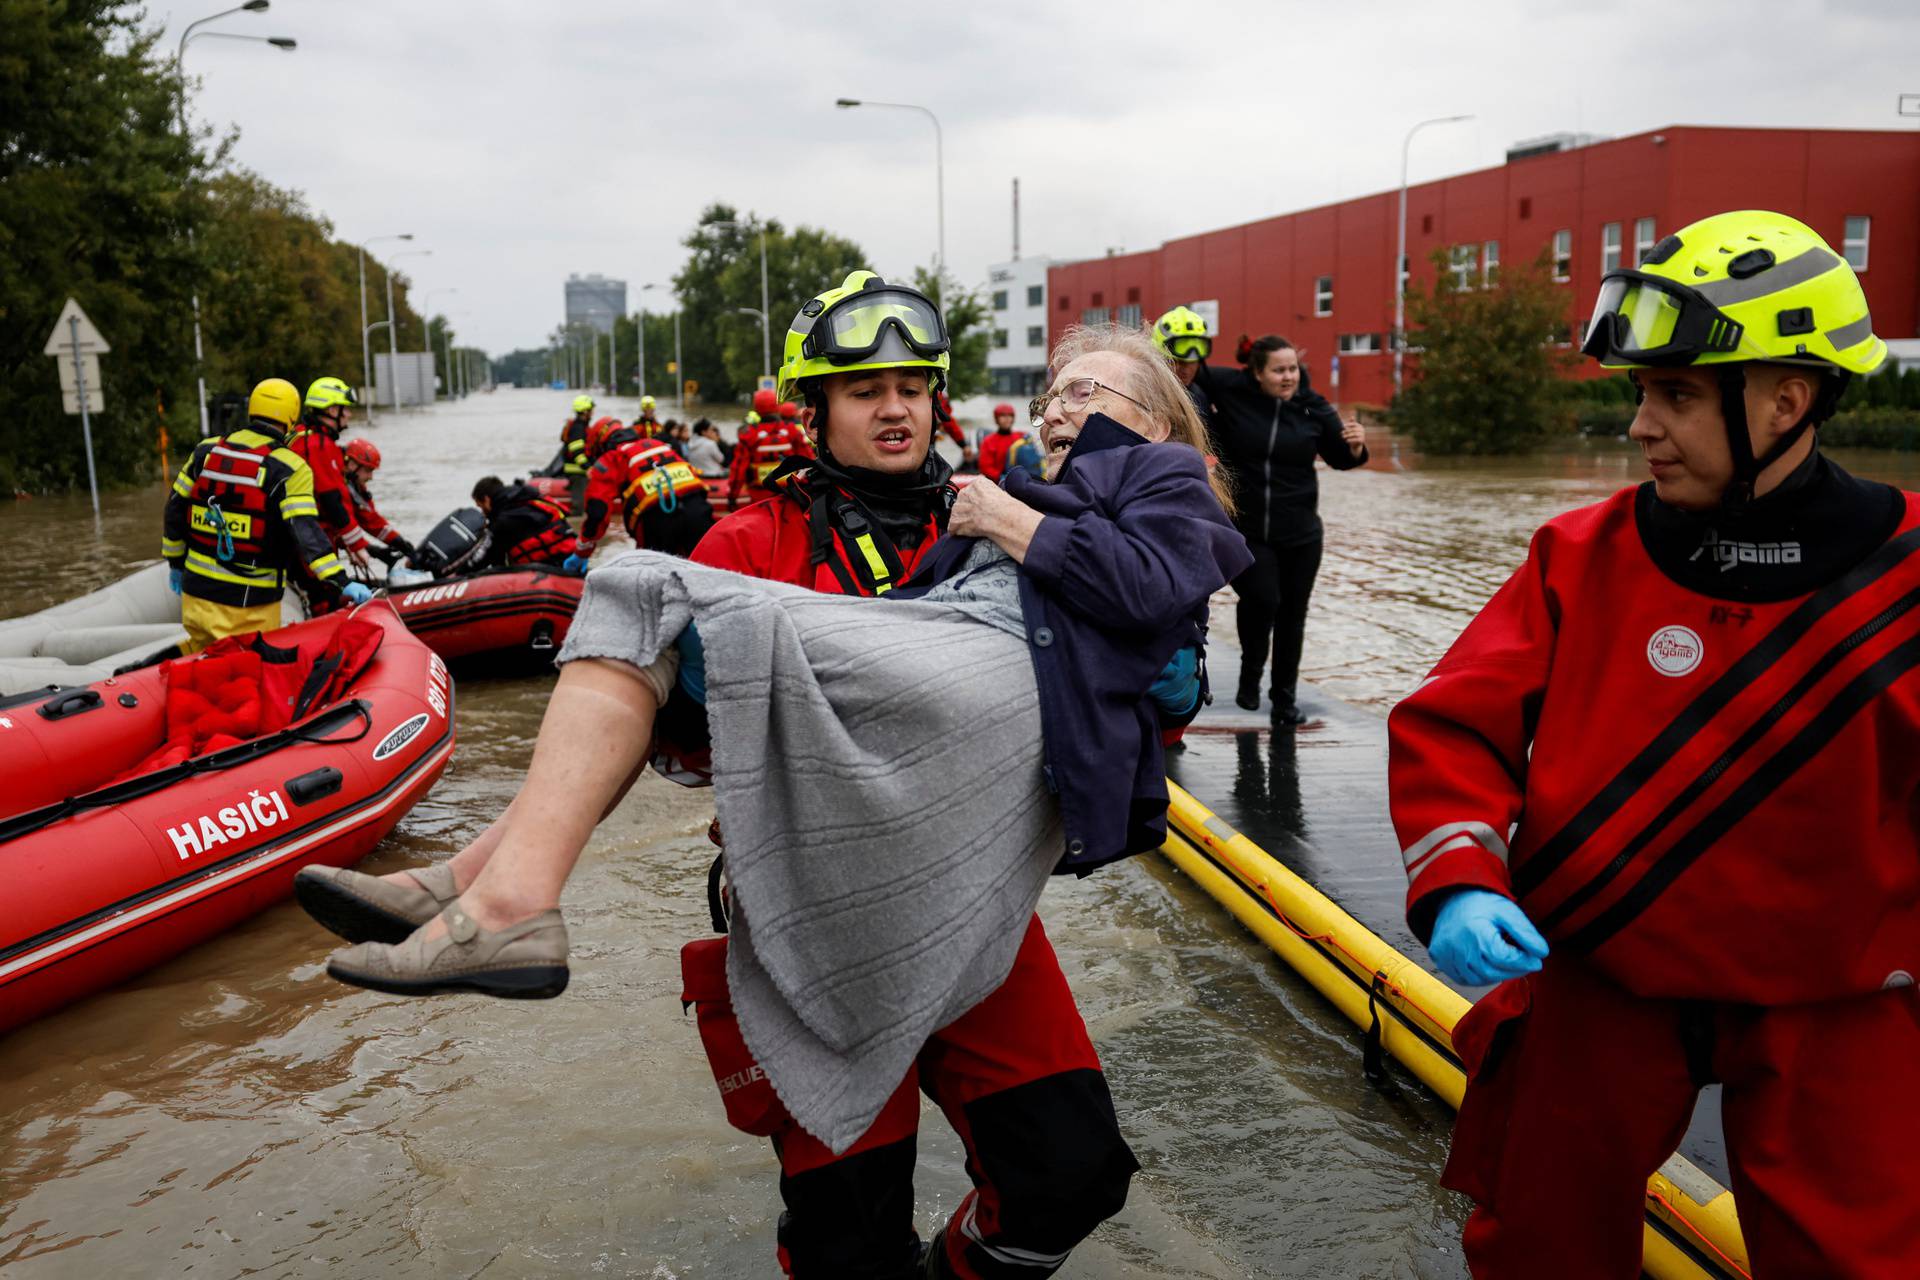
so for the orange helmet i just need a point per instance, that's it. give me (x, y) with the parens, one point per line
(789, 411)
(766, 404)
(364, 452)
(597, 434)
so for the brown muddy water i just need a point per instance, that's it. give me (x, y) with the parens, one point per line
(235, 1113)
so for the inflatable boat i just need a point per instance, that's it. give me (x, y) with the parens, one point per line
(148, 812)
(505, 619)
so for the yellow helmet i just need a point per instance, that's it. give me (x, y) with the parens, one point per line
(1735, 287)
(583, 404)
(276, 401)
(1182, 335)
(751, 420)
(328, 393)
(646, 402)
(865, 324)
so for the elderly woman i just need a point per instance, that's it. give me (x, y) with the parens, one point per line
(896, 781)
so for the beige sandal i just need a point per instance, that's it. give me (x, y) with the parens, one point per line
(363, 908)
(526, 960)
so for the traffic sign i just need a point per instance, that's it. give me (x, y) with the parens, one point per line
(673, 366)
(768, 382)
(65, 337)
(69, 372)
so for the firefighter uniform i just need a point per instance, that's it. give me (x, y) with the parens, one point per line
(241, 516)
(763, 446)
(526, 528)
(661, 498)
(573, 445)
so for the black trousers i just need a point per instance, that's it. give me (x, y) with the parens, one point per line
(1274, 592)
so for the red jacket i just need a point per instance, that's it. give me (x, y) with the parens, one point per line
(995, 447)
(1710, 798)
(631, 477)
(368, 515)
(329, 467)
(763, 447)
(773, 539)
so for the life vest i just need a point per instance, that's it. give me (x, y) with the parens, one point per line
(770, 446)
(555, 542)
(232, 510)
(851, 554)
(573, 443)
(656, 477)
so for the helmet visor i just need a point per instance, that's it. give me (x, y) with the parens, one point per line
(1642, 319)
(1187, 350)
(879, 324)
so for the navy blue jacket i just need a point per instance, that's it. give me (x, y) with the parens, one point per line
(1115, 581)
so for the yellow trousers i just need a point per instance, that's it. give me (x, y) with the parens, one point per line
(206, 621)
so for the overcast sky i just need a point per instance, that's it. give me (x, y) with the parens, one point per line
(523, 141)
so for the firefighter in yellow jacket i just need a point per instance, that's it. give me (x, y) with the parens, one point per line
(241, 510)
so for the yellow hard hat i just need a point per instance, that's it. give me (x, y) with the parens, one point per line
(327, 393)
(275, 400)
(583, 404)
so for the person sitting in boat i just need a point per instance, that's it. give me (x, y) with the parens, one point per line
(362, 459)
(1091, 590)
(522, 526)
(706, 451)
(241, 516)
(661, 499)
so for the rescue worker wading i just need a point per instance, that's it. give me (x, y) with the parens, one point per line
(661, 498)
(766, 441)
(1016, 1075)
(1663, 790)
(573, 443)
(241, 515)
(316, 437)
(522, 526)
(363, 459)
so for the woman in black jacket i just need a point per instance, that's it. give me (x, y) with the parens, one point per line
(1267, 426)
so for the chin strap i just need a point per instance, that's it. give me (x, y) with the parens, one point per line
(1733, 409)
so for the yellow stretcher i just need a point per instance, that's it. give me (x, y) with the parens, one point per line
(1691, 1232)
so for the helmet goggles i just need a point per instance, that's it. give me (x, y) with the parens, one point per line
(1644, 319)
(1187, 350)
(877, 324)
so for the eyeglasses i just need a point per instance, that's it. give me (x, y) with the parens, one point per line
(1074, 397)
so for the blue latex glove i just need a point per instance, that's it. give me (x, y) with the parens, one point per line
(357, 592)
(1480, 938)
(174, 576)
(574, 564)
(1177, 687)
(693, 665)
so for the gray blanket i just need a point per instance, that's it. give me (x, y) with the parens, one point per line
(877, 776)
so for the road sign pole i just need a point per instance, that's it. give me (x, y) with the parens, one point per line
(86, 422)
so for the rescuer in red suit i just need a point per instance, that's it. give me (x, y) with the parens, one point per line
(998, 445)
(762, 448)
(362, 458)
(1664, 791)
(661, 499)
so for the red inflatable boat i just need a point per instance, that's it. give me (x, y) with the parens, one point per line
(555, 489)
(512, 618)
(148, 812)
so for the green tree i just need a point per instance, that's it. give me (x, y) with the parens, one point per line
(1489, 374)
(965, 311)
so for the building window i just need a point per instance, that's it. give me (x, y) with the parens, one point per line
(1095, 315)
(999, 299)
(999, 339)
(1642, 239)
(1065, 303)
(1036, 295)
(1610, 247)
(1133, 293)
(1461, 260)
(1563, 255)
(1490, 263)
(1098, 298)
(1526, 207)
(1130, 316)
(1426, 224)
(1359, 344)
(1323, 296)
(1036, 335)
(1406, 277)
(1854, 245)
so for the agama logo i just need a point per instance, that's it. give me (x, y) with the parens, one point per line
(1675, 650)
(1727, 554)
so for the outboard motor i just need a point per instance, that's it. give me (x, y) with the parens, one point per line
(456, 540)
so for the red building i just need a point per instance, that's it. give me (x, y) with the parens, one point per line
(1323, 277)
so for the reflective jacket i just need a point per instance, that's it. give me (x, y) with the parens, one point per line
(322, 453)
(761, 450)
(641, 476)
(1690, 750)
(241, 511)
(777, 538)
(573, 443)
(526, 528)
(369, 517)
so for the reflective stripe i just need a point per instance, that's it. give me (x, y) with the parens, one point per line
(230, 478)
(206, 567)
(970, 1228)
(294, 507)
(182, 486)
(326, 566)
(1451, 836)
(1851, 335)
(225, 452)
(172, 548)
(1782, 275)
(875, 564)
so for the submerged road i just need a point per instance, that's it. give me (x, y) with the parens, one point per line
(235, 1112)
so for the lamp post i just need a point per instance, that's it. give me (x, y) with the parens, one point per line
(179, 58)
(1401, 267)
(642, 329)
(426, 328)
(393, 329)
(939, 163)
(366, 351)
(766, 339)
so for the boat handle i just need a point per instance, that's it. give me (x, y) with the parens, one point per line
(70, 703)
(317, 785)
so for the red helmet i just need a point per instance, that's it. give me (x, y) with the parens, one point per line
(364, 452)
(789, 411)
(597, 434)
(766, 404)
(1003, 408)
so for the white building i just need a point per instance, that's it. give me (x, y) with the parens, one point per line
(1017, 314)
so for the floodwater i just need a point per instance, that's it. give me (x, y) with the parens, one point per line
(236, 1113)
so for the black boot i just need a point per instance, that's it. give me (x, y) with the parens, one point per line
(1247, 697)
(1285, 713)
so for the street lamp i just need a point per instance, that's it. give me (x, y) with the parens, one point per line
(766, 340)
(1400, 264)
(366, 350)
(179, 58)
(939, 163)
(679, 370)
(426, 325)
(393, 329)
(640, 328)
(766, 337)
